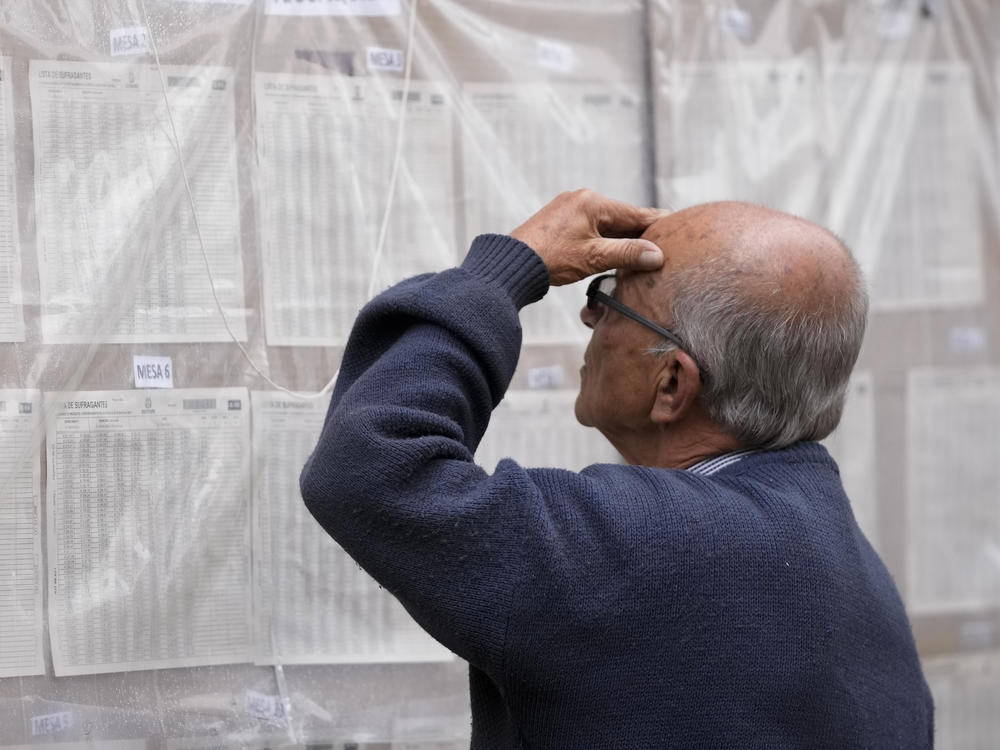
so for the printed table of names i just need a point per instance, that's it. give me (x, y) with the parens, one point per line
(20, 535)
(148, 527)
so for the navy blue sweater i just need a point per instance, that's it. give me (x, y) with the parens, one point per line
(621, 606)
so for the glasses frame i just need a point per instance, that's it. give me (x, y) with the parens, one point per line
(595, 296)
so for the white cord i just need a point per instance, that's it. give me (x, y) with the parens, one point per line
(400, 133)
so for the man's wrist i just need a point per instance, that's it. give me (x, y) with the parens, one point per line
(510, 264)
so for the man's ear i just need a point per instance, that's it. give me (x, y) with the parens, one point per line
(678, 386)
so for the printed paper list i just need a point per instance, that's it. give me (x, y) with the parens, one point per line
(11, 315)
(524, 144)
(744, 131)
(326, 149)
(953, 488)
(538, 428)
(119, 256)
(312, 602)
(904, 187)
(852, 445)
(148, 529)
(20, 535)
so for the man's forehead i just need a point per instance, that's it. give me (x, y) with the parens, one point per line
(687, 236)
(670, 227)
(768, 248)
(639, 282)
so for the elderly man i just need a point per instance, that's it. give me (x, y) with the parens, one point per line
(715, 592)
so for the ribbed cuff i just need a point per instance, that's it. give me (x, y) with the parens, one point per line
(511, 265)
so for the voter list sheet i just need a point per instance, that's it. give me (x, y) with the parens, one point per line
(739, 130)
(523, 144)
(21, 577)
(953, 476)
(312, 603)
(120, 258)
(905, 182)
(966, 691)
(11, 311)
(148, 497)
(852, 446)
(326, 150)
(539, 428)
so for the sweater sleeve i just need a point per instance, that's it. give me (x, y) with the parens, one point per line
(392, 478)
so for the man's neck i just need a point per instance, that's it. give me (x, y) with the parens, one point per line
(672, 447)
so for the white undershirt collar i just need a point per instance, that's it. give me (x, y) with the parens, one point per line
(714, 464)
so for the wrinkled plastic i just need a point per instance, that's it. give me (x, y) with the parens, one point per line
(163, 159)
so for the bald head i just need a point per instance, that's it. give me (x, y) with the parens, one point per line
(772, 306)
(776, 255)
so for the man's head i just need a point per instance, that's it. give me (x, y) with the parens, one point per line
(772, 308)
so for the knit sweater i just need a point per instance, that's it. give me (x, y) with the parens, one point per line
(622, 606)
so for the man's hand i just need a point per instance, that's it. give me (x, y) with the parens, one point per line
(581, 233)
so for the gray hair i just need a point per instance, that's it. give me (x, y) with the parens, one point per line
(776, 373)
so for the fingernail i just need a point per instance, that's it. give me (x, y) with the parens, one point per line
(651, 259)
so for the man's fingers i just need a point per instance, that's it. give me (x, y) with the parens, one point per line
(581, 232)
(618, 218)
(635, 255)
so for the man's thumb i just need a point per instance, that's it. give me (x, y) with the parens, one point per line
(638, 255)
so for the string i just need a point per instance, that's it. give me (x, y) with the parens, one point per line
(397, 157)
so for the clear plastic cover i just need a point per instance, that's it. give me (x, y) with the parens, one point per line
(199, 195)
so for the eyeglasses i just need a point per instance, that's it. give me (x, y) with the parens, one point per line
(599, 293)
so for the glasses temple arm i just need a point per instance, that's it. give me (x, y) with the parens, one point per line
(629, 313)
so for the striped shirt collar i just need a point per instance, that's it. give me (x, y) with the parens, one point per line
(717, 463)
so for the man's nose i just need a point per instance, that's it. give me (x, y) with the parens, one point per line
(590, 317)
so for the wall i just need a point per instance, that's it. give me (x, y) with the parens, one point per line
(219, 186)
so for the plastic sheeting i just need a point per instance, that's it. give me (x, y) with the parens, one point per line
(199, 196)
